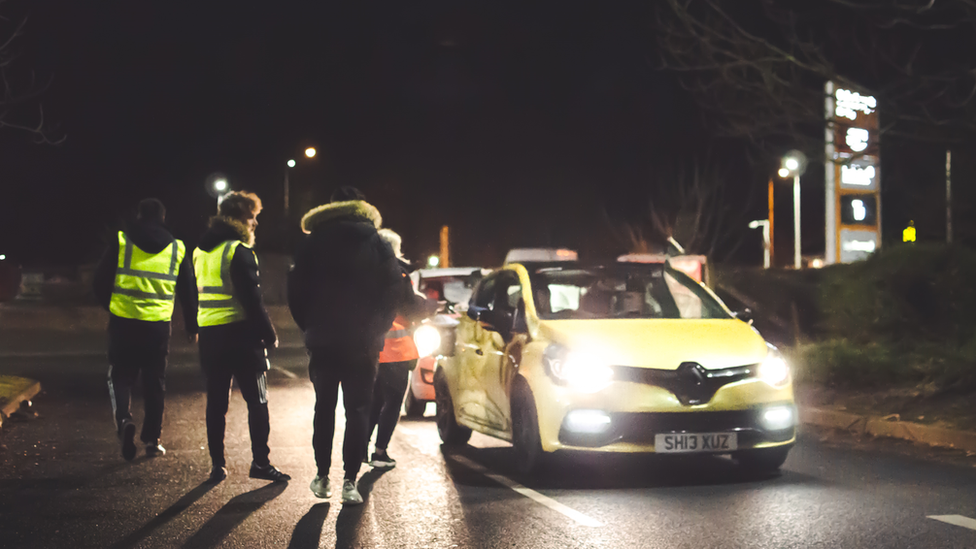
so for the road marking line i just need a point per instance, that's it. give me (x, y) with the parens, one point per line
(956, 520)
(288, 373)
(528, 492)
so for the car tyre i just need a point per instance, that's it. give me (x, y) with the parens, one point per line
(763, 460)
(526, 441)
(450, 432)
(413, 406)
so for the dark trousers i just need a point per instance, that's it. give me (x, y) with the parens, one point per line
(122, 374)
(388, 390)
(254, 389)
(355, 370)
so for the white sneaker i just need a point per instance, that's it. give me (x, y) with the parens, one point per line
(321, 487)
(350, 494)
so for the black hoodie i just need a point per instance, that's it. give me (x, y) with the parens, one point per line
(139, 335)
(250, 337)
(345, 287)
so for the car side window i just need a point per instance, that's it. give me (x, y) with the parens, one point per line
(508, 293)
(484, 294)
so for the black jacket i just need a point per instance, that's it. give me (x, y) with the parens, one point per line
(343, 289)
(245, 340)
(126, 334)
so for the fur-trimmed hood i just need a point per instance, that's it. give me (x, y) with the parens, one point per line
(359, 209)
(221, 228)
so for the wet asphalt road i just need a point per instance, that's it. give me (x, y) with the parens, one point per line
(64, 484)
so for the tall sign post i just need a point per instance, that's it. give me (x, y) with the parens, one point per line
(853, 175)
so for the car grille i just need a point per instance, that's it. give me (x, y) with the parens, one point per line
(691, 382)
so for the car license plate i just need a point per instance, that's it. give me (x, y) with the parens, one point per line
(676, 443)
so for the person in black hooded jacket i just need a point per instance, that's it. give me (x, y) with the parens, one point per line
(235, 346)
(342, 292)
(136, 345)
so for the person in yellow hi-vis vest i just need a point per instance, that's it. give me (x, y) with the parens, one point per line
(137, 281)
(235, 330)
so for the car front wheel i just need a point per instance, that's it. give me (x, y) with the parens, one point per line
(763, 460)
(451, 433)
(526, 441)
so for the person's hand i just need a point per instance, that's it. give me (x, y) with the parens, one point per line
(193, 338)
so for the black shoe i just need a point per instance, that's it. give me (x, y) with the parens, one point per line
(268, 472)
(155, 449)
(217, 474)
(382, 460)
(128, 435)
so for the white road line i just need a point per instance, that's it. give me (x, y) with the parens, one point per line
(288, 373)
(957, 520)
(528, 492)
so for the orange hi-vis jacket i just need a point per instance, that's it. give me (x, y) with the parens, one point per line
(399, 346)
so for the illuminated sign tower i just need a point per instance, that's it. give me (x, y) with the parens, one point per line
(853, 175)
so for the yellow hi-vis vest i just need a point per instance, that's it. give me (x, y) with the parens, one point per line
(145, 284)
(218, 305)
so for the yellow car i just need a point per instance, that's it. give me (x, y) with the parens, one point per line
(614, 358)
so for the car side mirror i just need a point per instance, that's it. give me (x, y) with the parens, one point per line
(745, 315)
(478, 314)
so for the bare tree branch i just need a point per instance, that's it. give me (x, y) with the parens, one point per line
(17, 91)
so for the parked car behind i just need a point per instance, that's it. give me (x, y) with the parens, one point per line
(452, 288)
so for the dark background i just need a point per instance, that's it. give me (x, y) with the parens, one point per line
(516, 124)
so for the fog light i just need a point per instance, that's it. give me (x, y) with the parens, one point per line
(777, 418)
(587, 421)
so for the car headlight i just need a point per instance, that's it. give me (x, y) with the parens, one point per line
(427, 339)
(773, 369)
(584, 373)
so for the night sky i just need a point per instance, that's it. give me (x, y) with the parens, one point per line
(515, 123)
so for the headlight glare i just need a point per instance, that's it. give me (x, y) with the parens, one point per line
(774, 370)
(583, 373)
(427, 339)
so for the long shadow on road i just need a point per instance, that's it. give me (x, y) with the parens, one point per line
(233, 513)
(169, 514)
(347, 523)
(308, 531)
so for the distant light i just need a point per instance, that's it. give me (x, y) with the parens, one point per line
(291, 163)
(792, 164)
(856, 175)
(860, 212)
(817, 263)
(850, 103)
(310, 152)
(908, 235)
(783, 172)
(433, 261)
(859, 246)
(2, 257)
(857, 139)
(220, 185)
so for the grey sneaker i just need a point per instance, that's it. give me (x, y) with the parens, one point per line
(350, 494)
(321, 487)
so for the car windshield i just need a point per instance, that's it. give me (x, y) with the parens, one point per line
(446, 288)
(632, 291)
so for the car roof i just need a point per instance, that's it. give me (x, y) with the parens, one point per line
(447, 271)
(540, 255)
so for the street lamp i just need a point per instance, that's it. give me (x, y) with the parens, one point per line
(309, 153)
(433, 261)
(764, 223)
(217, 186)
(793, 165)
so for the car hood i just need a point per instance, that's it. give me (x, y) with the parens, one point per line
(659, 343)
